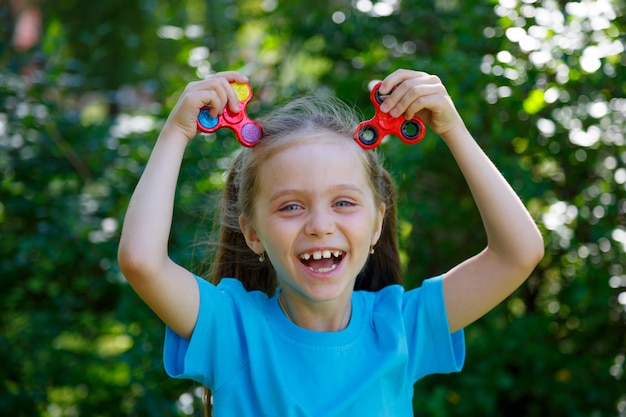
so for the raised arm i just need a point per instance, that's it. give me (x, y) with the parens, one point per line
(514, 243)
(169, 290)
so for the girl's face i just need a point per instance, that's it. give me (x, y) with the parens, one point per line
(316, 217)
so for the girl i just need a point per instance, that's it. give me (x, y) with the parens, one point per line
(309, 319)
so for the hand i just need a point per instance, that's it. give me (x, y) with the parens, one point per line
(421, 94)
(214, 91)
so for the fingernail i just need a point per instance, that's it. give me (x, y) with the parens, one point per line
(384, 108)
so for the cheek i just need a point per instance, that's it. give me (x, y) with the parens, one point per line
(363, 230)
(277, 238)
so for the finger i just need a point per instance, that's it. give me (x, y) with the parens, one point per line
(232, 76)
(438, 111)
(229, 76)
(215, 92)
(222, 84)
(232, 99)
(225, 92)
(424, 108)
(402, 81)
(402, 98)
(398, 77)
(195, 100)
(408, 98)
(217, 101)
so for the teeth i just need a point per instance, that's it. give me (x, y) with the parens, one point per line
(324, 270)
(318, 254)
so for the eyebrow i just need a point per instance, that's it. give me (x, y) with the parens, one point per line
(335, 188)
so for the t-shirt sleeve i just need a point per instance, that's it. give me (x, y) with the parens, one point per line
(197, 358)
(434, 349)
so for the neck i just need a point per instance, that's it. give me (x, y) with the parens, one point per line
(325, 318)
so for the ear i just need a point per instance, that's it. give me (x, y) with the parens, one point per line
(250, 234)
(378, 223)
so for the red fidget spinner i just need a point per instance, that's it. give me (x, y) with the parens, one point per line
(248, 132)
(370, 134)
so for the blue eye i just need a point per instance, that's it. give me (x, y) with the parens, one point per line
(290, 207)
(344, 203)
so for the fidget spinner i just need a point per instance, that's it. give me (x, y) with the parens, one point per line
(248, 132)
(369, 134)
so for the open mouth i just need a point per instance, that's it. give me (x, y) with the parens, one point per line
(322, 261)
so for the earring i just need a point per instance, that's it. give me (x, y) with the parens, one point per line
(372, 250)
(262, 257)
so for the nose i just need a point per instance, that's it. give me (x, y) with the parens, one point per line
(320, 223)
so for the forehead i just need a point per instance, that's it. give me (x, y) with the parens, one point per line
(315, 164)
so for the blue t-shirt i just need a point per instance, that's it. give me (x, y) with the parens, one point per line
(258, 363)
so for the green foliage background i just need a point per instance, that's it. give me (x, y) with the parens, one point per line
(540, 83)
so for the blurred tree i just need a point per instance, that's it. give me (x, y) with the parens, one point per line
(540, 83)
